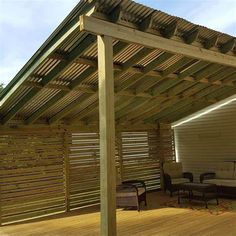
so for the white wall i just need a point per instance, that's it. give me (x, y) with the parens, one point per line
(206, 140)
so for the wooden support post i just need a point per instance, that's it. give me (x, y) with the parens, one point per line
(107, 136)
(0, 204)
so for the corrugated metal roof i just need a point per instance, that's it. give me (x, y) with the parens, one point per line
(201, 83)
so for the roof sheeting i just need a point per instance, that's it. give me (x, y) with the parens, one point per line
(163, 86)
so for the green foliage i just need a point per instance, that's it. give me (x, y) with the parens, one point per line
(1, 87)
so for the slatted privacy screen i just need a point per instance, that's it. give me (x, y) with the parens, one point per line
(136, 158)
(140, 159)
(45, 172)
(31, 177)
(84, 169)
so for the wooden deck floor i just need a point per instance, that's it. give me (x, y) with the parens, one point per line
(151, 221)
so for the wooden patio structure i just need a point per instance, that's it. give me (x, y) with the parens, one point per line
(110, 66)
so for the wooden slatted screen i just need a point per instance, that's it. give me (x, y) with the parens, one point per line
(84, 169)
(140, 159)
(31, 175)
(136, 158)
(54, 172)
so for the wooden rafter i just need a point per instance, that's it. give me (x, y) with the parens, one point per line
(130, 107)
(193, 106)
(170, 30)
(92, 116)
(184, 75)
(146, 23)
(191, 36)
(207, 93)
(72, 106)
(136, 77)
(141, 109)
(129, 104)
(85, 112)
(222, 74)
(211, 42)
(187, 97)
(228, 46)
(153, 93)
(185, 111)
(149, 105)
(170, 95)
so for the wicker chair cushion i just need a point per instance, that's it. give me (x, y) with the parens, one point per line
(180, 180)
(128, 192)
(221, 182)
(174, 169)
(224, 170)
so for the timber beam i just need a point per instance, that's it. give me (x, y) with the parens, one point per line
(101, 27)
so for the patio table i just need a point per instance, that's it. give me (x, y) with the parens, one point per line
(198, 192)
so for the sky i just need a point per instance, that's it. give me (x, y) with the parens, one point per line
(26, 24)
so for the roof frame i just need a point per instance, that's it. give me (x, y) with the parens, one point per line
(150, 76)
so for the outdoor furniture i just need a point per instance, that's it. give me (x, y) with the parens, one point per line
(224, 177)
(198, 191)
(174, 175)
(131, 194)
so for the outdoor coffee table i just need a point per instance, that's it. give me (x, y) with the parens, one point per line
(198, 191)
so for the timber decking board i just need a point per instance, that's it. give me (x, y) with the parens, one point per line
(156, 220)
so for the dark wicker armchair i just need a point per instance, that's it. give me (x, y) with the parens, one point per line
(131, 193)
(174, 175)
